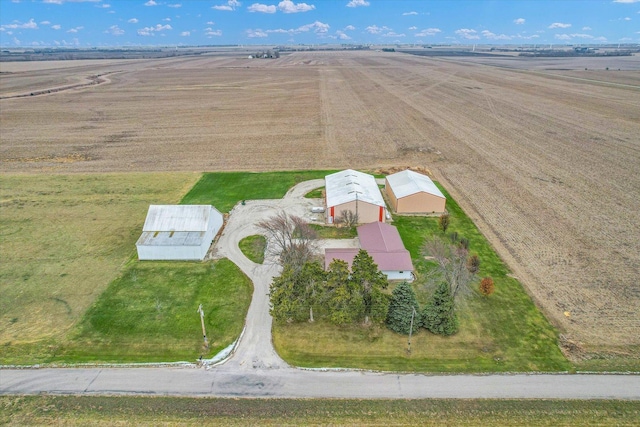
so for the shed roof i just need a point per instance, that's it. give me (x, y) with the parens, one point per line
(179, 217)
(408, 182)
(345, 186)
(171, 238)
(386, 261)
(378, 236)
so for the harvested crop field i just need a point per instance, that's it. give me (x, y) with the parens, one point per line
(547, 162)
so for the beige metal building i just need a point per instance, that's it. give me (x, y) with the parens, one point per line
(412, 192)
(354, 191)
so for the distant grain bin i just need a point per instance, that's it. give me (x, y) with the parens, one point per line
(411, 192)
(178, 232)
(354, 191)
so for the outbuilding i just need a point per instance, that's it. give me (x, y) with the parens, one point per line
(384, 244)
(412, 192)
(178, 232)
(354, 191)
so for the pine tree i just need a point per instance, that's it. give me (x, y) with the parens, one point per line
(344, 300)
(369, 282)
(439, 314)
(284, 297)
(401, 309)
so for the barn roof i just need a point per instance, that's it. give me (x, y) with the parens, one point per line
(380, 237)
(408, 182)
(171, 238)
(179, 217)
(345, 186)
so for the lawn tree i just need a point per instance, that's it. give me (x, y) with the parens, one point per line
(452, 264)
(312, 278)
(370, 282)
(401, 309)
(344, 301)
(473, 264)
(290, 238)
(284, 296)
(348, 218)
(444, 221)
(487, 286)
(439, 314)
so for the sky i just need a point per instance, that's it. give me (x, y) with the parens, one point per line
(113, 23)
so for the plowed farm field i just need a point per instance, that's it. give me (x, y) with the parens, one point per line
(546, 161)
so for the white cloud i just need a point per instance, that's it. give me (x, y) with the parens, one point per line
(211, 23)
(342, 36)
(114, 30)
(45, 23)
(133, 21)
(256, 34)
(31, 25)
(626, 1)
(600, 39)
(468, 34)
(185, 33)
(349, 28)
(56, 27)
(519, 21)
(70, 1)
(582, 36)
(559, 25)
(75, 29)
(231, 5)
(262, 8)
(586, 28)
(627, 18)
(428, 32)
(491, 36)
(409, 13)
(317, 27)
(393, 34)
(357, 3)
(151, 3)
(175, 6)
(167, 19)
(149, 31)
(412, 28)
(374, 29)
(104, 5)
(211, 33)
(287, 6)
(563, 36)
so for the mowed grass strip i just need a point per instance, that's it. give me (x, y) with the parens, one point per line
(502, 333)
(149, 314)
(224, 189)
(109, 410)
(253, 247)
(63, 239)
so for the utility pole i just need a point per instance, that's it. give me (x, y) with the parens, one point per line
(413, 314)
(204, 332)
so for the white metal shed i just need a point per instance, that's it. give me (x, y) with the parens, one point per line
(350, 190)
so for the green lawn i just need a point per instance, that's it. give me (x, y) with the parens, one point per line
(109, 410)
(318, 193)
(333, 232)
(504, 332)
(224, 189)
(253, 247)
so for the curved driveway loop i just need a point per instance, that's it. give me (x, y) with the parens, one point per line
(255, 370)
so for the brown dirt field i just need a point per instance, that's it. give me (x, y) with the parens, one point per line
(547, 166)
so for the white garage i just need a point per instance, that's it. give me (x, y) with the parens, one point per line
(178, 232)
(354, 191)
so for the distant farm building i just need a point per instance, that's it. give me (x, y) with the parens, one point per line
(178, 232)
(384, 245)
(412, 192)
(354, 191)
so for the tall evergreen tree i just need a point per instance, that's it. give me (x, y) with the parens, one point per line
(439, 314)
(345, 300)
(284, 296)
(369, 282)
(401, 310)
(312, 278)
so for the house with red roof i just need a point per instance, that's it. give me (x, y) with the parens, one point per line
(383, 243)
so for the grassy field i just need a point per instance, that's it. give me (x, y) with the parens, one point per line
(224, 189)
(331, 232)
(173, 411)
(63, 239)
(504, 332)
(253, 247)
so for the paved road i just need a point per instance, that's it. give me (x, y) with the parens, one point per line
(256, 370)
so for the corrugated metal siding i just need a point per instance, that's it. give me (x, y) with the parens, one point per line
(178, 218)
(342, 187)
(409, 182)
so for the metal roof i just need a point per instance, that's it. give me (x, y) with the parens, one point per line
(179, 217)
(345, 186)
(171, 238)
(408, 182)
(378, 236)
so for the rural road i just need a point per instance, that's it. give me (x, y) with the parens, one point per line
(256, 370)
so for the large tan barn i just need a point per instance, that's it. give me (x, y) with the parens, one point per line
(354, 191)
(411, 192)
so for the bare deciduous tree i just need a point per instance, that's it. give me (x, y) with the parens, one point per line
(290, 238)
(347, 218)
(452, 263)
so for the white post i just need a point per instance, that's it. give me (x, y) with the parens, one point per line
(204, 332)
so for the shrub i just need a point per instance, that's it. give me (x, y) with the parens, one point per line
(487, 286)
